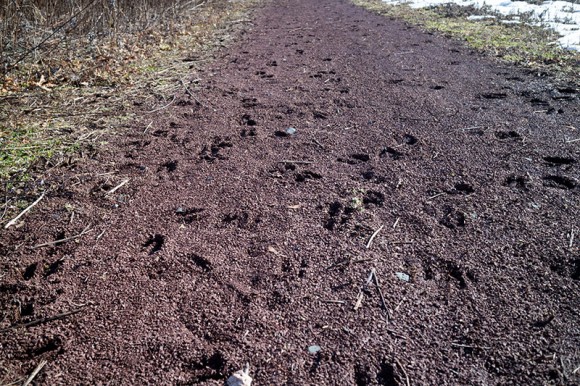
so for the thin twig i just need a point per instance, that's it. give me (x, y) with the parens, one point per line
(470, 128)
(383, 301)
(571, 239)
(163, 107)
(396, 222)
(15, 220)
(360, 296)
(407, 381)
(470, 346)
(573, 140)
(436, 195)
(318, 143)
(333, 301)
(287, 161)
(189, 92)
(35, 372)
(101, 235)
(117, 187)
(44, 320)
(373, 236)
(85, 231)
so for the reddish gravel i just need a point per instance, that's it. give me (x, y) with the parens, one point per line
(217, 252)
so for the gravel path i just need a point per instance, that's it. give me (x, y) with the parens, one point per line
(234, 241)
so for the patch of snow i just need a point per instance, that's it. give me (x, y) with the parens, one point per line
(561, 16)
(480, 17)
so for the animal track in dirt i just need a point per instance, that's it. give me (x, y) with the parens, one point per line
(155, 242)
(560, 182)
(200, 261)
(264, 74)
(307, 175)
(53, 268)
(248, 121)
(30, 271)
(241, 219)
(338, 215)
(536, 102)
(171, 166)
(189, 215)
(373, 197)
(160, 133)
(247, 133)
(517, 182)
(461, 188)
(409, 139)
(555, 161)
(209, 368)
(27, 309)
(355, 158)
(48, 345)
(455, 272)
(392, 153)
(319, 115)
(212, 152)
(493, 95)
(370, 175)
(249, 102)
(452, 218)
(508, 135)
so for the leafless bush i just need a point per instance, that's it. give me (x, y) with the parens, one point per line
(30, 29)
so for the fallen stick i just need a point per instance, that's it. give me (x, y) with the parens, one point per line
(86, 230)
(470, 346)
(396, 222)
(573, 140)
(380, 291)
(469, 128)
(287, 161)
(435, 196)
(163, 107)
(407, 381)
(190, 93)
(101, 235)
(117, 187)
(373, 236)
(361, 295)
(35, 372)
(44, 320)
(333, 301)
(15, 220)
(571, 239)
(318, 143)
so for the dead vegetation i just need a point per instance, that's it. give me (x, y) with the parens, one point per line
(74, 71)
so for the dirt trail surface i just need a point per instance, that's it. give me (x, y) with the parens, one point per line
(235, 241)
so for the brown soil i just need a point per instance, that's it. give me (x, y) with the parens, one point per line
(217, 252)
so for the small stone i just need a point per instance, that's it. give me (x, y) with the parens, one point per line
(290, 131)
(240, 377)
(314, 349)
(180, 210)
(402, 276)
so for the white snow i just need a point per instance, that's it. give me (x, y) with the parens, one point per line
(561, 16)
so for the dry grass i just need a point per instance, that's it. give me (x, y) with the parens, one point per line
(47, 115)
(529, 46)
